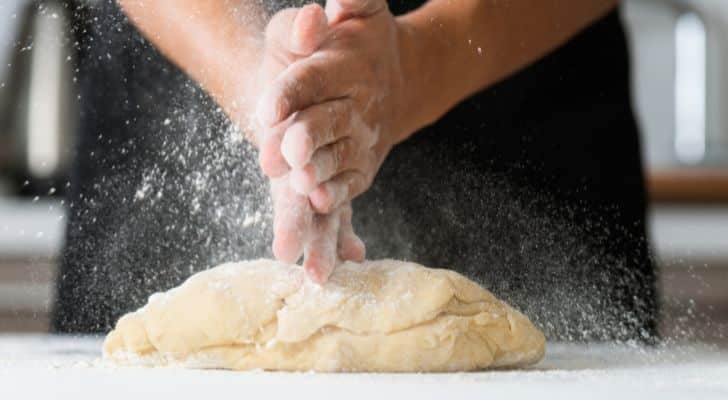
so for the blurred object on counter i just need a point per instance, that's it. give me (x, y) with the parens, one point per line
(680, 59)
(38, 103)
(31, 234)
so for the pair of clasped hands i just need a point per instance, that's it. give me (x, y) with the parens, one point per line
(326, 118)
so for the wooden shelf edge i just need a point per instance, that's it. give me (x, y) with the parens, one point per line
(688, 186)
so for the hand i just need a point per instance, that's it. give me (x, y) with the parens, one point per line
(331, 118)
(292, 35)
(322, 238)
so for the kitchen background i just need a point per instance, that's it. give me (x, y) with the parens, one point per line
(680, 64)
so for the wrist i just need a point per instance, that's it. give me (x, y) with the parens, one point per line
(409, 116)
(423, 52)
(234, 84)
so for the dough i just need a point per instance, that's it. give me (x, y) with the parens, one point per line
(385, 315)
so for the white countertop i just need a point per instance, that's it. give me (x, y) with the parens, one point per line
(43, 366)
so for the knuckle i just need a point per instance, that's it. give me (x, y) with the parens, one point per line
(352, 150)
(333, 116)
(310, 78)
(286, 86)
(345, 114)
(329, 124)
(316, 125)
(342, 116)
(338, 154)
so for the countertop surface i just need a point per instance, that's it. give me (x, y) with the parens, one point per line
(44, 366)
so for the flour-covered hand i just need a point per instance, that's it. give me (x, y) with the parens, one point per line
(292, 35)
(331, 118)
(324, 239)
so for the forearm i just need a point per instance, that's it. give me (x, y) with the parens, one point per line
(210, 40)
(454, 48)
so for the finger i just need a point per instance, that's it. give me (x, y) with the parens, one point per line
(289, 35)
(329, 161)
(270, 158)
(333, 193)
(339, 10)
(315, 127)
(351, 247)
(309, 81)
(299, 31)
(309, 29)
(291, 221)
(320, 253)
(290, 229)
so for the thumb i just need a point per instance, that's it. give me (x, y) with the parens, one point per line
(340, 10)
(298, 31)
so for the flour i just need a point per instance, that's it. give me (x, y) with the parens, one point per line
(249, 220)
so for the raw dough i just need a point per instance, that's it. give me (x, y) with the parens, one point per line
(382, 315)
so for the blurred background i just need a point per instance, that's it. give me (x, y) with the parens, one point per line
(680, 59)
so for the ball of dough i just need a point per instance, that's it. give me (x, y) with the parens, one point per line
(384, 316)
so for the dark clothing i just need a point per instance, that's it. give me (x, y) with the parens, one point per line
(533, 187)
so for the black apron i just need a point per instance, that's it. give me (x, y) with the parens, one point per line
(533, 187)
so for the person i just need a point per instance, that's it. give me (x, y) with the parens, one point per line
(492, 137)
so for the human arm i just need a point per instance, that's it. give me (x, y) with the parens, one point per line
(378, 79)
(219, 43)
(454, 48)
(232, 49)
